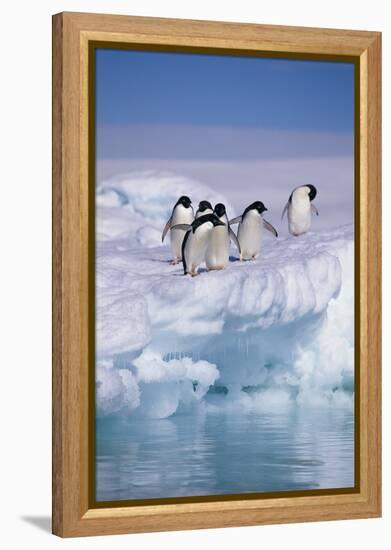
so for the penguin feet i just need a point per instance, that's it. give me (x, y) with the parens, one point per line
(174, 261)
(194, 274)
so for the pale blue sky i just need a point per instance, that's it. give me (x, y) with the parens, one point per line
(252, 128)
(172, 105)
(154, 87)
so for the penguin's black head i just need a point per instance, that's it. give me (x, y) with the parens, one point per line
(184, 200)
(313, 192)
(204, 205)
(205, 219)
(215, 220)
(219, 209)
(257, 205)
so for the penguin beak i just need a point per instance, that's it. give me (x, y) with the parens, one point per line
(220, 223)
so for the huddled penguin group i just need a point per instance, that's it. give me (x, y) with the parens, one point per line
(206, 236)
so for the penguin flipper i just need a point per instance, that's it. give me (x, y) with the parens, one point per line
(285, 209)
(314, 209)
(238, 219)
(234, 239)
(166, 228)
(184, 226)
(183, 252)
(270, 228)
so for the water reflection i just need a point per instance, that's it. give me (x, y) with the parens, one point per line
(224, 453)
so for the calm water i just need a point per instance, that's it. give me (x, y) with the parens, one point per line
(224, 453)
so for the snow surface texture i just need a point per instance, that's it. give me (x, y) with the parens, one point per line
(259, 335)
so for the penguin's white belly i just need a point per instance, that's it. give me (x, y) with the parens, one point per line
(217, 252)
(195, 248)
(299, 217)
(177, 236)
(250, 237)
(181, 215)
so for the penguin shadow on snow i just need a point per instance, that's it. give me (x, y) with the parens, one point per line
(204, 270)
(167, 262)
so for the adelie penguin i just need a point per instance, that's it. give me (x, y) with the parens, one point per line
(196, 241)
(300, 207)
(251, 224)
(182, 213)
(204, 208)
(217, 252)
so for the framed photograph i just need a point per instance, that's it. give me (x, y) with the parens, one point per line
(216, 274)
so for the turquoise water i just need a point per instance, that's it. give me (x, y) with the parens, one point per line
(224, 453)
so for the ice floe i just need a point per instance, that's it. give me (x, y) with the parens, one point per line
(264, 333)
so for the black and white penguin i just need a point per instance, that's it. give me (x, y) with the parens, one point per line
(300, 207)
(251, 224)
(217, 253)
(196, 240)
(182, 213)
(204, 208)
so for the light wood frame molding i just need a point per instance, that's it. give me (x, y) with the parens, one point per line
(72, 33)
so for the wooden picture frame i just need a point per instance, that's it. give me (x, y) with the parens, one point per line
(73, 34)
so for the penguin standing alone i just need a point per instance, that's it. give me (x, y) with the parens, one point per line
(196, 241)
(251, 224)
(182, 213)
(299, 208)
(217, 253)
(204, 208)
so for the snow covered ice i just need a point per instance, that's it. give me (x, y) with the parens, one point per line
(257, 335)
